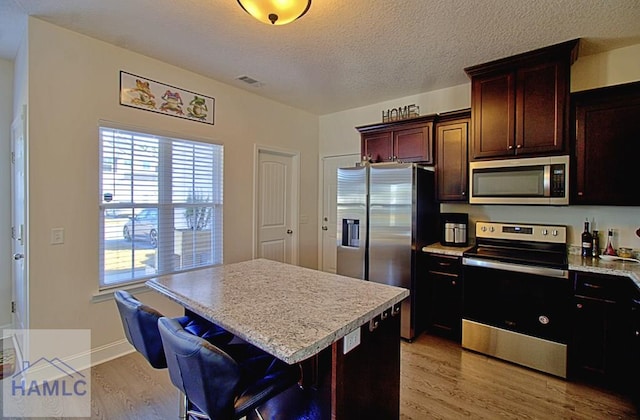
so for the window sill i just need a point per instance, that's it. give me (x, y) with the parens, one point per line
(107, 294)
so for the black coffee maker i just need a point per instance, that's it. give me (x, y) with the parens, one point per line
(454, 229)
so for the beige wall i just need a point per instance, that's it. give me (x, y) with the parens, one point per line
(339, 136)
(6, 113)
(73, 86)
(610, 68)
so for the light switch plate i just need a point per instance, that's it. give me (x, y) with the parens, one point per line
(351, 341)
(57, 236)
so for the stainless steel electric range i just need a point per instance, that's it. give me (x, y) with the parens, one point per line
(517, 295)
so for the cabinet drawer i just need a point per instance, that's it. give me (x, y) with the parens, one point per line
(611, 288)
(444, 264)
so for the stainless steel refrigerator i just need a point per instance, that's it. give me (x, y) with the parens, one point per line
(386, 213)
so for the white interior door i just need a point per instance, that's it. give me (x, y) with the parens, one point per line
(277, 205)
(330, 165)
(20, 289)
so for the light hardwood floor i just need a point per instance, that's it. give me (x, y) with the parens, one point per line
(439, 381)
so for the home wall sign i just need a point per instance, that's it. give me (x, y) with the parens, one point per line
(147, 94)
(396, 114)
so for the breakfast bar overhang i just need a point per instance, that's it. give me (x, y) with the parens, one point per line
(344, 332)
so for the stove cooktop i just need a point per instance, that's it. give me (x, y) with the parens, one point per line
(525, 244)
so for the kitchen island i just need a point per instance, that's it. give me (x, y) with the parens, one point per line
(302, 316)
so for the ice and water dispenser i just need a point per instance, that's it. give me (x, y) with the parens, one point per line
(351, 232)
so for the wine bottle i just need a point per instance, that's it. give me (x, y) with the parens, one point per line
(595, 244)
(586, 240)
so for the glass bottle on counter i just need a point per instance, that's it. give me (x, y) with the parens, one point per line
(609, 250)
(586, 240)
(595, 244)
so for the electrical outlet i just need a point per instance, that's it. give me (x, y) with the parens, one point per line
(351, 341)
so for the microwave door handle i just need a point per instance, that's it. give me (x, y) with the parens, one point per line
(546, 183)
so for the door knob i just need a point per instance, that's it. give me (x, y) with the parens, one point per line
(289, 231)
(18, 256)
(325, 228)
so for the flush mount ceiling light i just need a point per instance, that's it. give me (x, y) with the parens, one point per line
(275, 12)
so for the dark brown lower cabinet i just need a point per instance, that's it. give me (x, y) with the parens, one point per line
(601, 349)
(635, 350)
(444, 302)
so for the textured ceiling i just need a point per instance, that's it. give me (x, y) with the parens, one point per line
(343, 53)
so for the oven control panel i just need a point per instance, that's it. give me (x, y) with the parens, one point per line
(522, 232)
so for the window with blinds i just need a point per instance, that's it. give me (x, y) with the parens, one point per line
(161, 205)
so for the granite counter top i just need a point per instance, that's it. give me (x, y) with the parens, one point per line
(576, 262)
(438, 248)
(616, 268)
(289, 311)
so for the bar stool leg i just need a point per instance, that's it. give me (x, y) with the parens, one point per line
(183, 407)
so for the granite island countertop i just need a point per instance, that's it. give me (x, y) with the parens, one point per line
(289, 311)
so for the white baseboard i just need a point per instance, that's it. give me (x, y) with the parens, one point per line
(100, 354)
(110, 351)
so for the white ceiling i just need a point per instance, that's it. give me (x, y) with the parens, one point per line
(343, 53)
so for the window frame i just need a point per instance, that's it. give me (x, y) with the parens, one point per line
(166, 207)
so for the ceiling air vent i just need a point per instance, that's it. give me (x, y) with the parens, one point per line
(250, 81)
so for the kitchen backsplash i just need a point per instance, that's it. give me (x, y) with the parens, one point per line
(623, 220)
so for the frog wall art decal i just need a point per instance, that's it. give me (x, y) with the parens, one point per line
(198, 108)
(141, 95)
(172, 102)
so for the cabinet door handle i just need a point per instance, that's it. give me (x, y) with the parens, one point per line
(519, 146)
(592, 286)
(579, 305)
(442, 273)
(510, 148)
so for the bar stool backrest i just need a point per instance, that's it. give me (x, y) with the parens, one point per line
(207, 375)
(140, 323)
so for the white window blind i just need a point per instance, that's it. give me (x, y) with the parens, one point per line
(161, 205)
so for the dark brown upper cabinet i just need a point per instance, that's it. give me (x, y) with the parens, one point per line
(405, 141)
(520, 104)
(607, 146)
(452, 133)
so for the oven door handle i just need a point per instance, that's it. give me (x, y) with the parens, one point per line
(528, 269)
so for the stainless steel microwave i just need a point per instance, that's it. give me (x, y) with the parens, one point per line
(539, 180)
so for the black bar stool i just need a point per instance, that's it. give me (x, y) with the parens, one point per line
(221, 384)
(140, 323)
